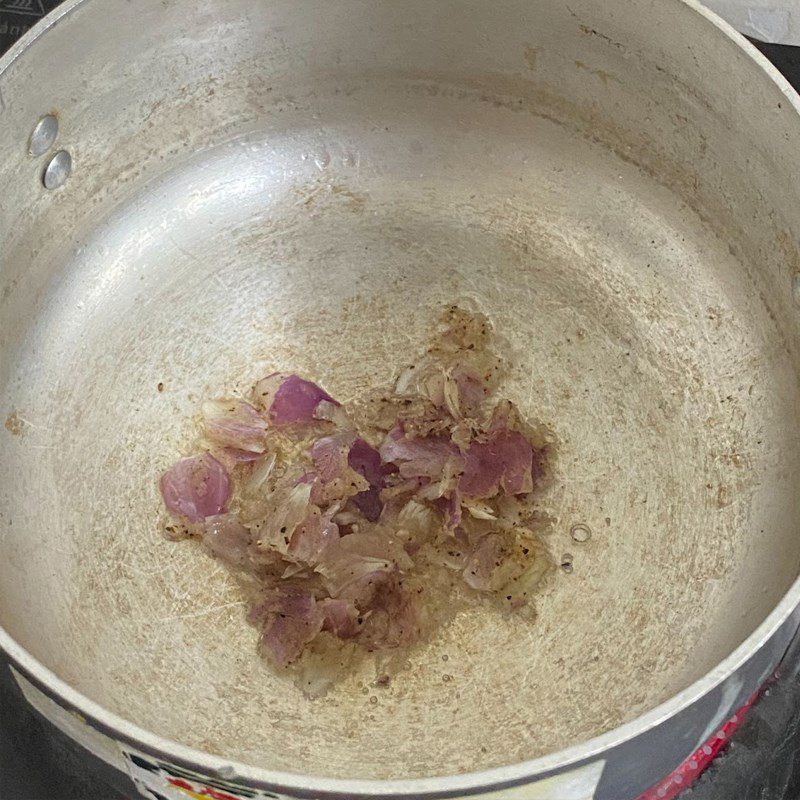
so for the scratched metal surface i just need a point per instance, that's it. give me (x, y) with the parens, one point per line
(655, 359)
(37, 761)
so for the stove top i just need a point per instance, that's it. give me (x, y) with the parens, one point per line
(38, 762)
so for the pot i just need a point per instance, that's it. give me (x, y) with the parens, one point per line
(193, 194)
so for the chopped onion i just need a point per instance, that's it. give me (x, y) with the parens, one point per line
(196, 488)
(342, 543)
(234, 424)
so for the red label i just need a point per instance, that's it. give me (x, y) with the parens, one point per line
(696, 764)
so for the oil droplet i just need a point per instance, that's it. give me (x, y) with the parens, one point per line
(322, 160)
(580, 532)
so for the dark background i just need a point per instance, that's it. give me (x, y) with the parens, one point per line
(37, 762)
(17, 17)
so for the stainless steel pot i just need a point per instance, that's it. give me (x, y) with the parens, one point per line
(283, 184)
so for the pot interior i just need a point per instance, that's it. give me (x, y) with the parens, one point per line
(259, 187)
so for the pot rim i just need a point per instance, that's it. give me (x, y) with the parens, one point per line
(494, 779)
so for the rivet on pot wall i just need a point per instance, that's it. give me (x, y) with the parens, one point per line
(57, 171)
(44, 135)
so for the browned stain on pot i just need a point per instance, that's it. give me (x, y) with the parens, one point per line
(531, 55)
(319, 194)
(14, 425)
(604, 76)
(355, 200)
